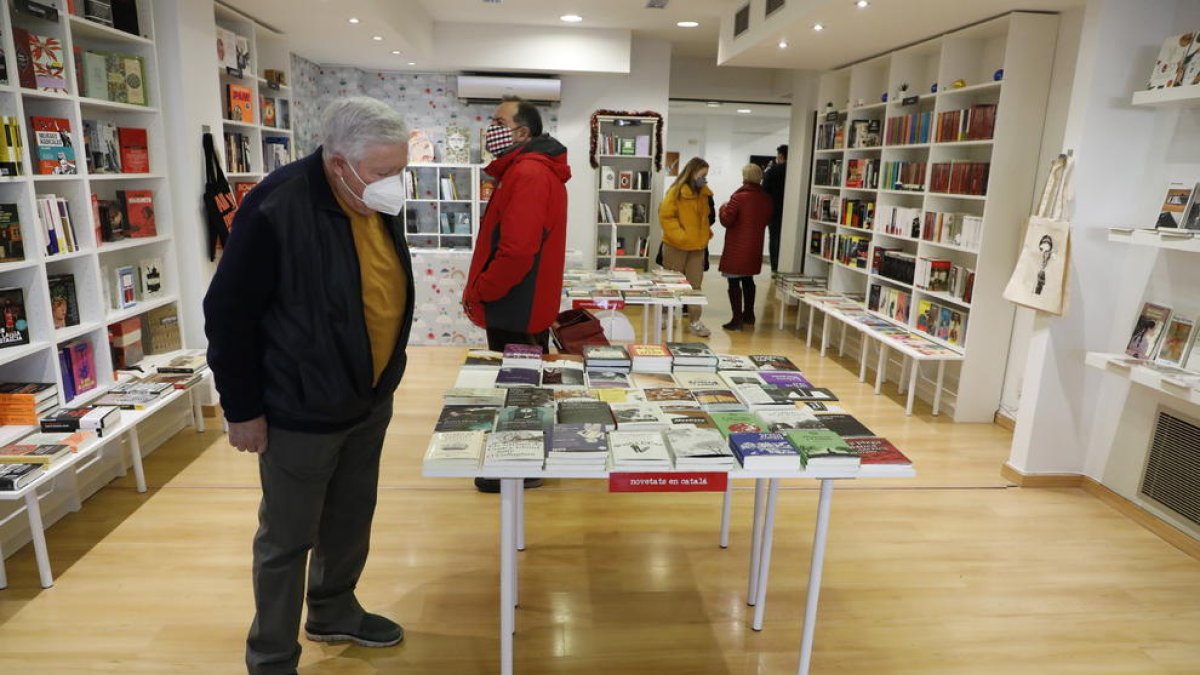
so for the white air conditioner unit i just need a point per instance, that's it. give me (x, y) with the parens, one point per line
(494, 88)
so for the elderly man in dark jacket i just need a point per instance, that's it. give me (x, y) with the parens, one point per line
(307, 320)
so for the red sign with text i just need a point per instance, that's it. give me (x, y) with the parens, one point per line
(584, 303)
(668, 482)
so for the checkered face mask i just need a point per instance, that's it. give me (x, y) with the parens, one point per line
(498, 139)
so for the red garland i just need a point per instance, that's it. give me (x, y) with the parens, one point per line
(618, 113)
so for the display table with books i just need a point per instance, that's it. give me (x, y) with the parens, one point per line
(50, 452)
(653, 418)
(657, 292)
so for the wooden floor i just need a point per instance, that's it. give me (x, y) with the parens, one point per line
(952, 572)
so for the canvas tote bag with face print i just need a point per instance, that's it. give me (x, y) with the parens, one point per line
(1040, 278)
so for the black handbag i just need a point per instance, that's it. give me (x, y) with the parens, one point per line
(220, 206)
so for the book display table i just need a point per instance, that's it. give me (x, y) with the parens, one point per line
(658, 292)
(472, 442)
(62, 473)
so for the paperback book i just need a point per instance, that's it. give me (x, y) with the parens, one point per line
(526, 418)
(529, 397)
(845, 426)
(518, 377)
(671, 396)
(687, 417)
(638, 451)
(773, 362)
(523, 449)
(737, 423)
(607, 379)
(822, 449)
(455, 449)
(764, 451)
(879, 454)
(638, 417)
(790, 418)
(577, 445)
(466, 418)
(699, 449)
(586, 412)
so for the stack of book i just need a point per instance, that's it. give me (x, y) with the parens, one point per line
(638, 417)
(607, 379)
(487, 397)
(522, 356)
(650, 358)
(606, 357)
(718, 400)
(822, 449)
(638, 451)
(582, 447)
(563, 371)
(773, 362)
(136, 395)
(86, 418)
(586, 411)
(23, 403)
(524, 418)
(697, 449)
(692, 356)
(455, 450)
(466, 418)
(30, 453)
(515, 450)
(13, 477)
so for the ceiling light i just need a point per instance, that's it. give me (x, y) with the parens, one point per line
(377, 38)
(396, 52)
(687, 24)
(818, 27)
(744, 111)
(412, 63)
(354, 19)
(714, 104)
(571, 18)
(783, 44)
(862, 4)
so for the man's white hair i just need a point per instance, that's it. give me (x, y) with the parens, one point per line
(351, 125)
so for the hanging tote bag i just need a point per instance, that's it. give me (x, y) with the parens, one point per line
(219, 203)
(1040, 278)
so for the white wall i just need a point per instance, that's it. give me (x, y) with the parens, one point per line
(795, 204)
(702, 79)
(726, 143)
(1070, 414)
(643, 89)
(531, 48)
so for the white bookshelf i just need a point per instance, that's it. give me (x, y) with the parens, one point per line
(435, 218)
(610, 234)
(268, 51)
(1020, 44)
(95, 260)
(1172, 240)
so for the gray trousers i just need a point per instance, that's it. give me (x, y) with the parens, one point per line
(318, 493)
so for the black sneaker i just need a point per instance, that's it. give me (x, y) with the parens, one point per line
(492, 485)
(372, 631)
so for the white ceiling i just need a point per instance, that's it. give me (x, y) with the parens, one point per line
(851, 34)
(758, 111)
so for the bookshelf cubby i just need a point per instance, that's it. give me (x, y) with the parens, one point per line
(81, 250)
(444, 207)
(626, 214)
(927, 165)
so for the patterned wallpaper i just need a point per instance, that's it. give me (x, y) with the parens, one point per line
(428, 101)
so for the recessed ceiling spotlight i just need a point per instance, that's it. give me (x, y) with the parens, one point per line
(571, 18)
(377, 38)
(688, 24)
(353, 19)
(713, 104)
(818, 27)
(396, 52)
(783, 44)
(744, 111)
(412, 63)
(862, 4)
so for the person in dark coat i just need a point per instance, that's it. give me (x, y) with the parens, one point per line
(745, 217)
(774, 183)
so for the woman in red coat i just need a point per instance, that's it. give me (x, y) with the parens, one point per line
(745, 216)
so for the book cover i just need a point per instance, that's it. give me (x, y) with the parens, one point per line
(735, 362)
(12, 244)
(16, 476)
(54, 153)
(693, 444)
(137, 207)
(784, 378)
(654, 380)
(24, 57)
(529, 397)
(135, 156)
(14, 328)
(605, 353)
(491, 397)
(24, 453)
(643, 449)
(466, 418)
(242, 188)
(562, 375)
(518, 377)
(83, 366)
(49, 70)
(186, 364)
(620, 395)
(764, 450)
(717, 399)
(821, 447)
(805, 394)
(515, 448)
(607, 379)
(844, 425)
(150, 275)
(577, 439)
(1174, 206)
(125, 286)
(267, 105)
(482, 358)
(585, 412)
(737, 423)
(687, 417)
(791, 418)
(695, 380)
(64, 303)
(637, 416)
(877, 451)
(1151, 323)
(670, 396)
(562, 394)
(1171, 63)
(126, 79)
(455, 448)
(524, 418)
(773, 362)
(1175, 341)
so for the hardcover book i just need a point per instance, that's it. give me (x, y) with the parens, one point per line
(16, 476)
(525, 418)
(607, 379)
(137, 206)
(466, 418)
(135, 156)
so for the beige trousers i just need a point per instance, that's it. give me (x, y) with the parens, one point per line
(691, 265)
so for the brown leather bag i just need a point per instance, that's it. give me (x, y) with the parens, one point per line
(575, 328)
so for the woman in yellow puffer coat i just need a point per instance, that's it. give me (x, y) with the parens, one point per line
(686, 218)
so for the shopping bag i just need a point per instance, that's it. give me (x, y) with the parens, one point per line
(575, 328)
(1039, 280)
(220, 206)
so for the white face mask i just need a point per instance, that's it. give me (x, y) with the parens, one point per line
(386, 195)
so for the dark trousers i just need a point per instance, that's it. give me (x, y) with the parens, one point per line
(497, 338)
(774, 232)
(318, 494)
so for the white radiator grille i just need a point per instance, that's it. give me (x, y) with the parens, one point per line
(1172, 476)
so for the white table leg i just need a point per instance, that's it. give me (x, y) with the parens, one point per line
(862, 358)
(197, 413)
(3, 573)
(135, 456)
(755, 541)
(760, 606)
(842, 343)
(670, 323)
(914, 371)
(814, 576)
(799, 314)
(902, 383)
(879, 369)
(811, 317)
(508, 489)
(73, 500)
(824, 335)
(520, 539)
(37, 532)
(658, 315)
(937, 392)
(726, 508)
(782, 310)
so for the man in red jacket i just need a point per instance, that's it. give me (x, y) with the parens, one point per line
(514, 288)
